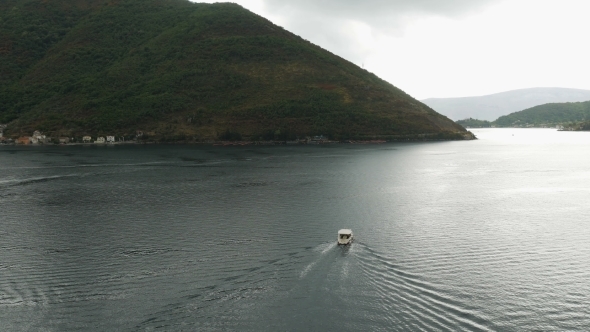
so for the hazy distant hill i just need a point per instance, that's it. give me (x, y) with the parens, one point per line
(475, 123)
(493, 106)
(180, 70)
(547, 115)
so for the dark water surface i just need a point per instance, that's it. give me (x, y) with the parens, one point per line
(485, 235)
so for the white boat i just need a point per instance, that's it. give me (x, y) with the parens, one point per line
(345, 236)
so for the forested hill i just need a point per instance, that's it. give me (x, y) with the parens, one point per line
(178, 70)
(491, 107)
(547, 115)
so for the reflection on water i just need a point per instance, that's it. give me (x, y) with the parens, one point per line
(484, 235)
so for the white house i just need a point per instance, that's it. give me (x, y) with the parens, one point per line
(110, 139)
(86, 139)
(37, 137)
(100, 140)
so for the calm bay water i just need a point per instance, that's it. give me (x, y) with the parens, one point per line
(482, 235)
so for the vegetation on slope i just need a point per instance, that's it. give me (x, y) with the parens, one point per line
(179, 70)
(491, 107)
(547, 115)
(474, 123)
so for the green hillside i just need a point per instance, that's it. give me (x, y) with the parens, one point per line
(178, 70)
(474, 123)
(547, 115)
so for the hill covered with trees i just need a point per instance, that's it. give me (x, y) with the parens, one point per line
(491, 107)
(178, 70)
(547, 115)
(474, 123)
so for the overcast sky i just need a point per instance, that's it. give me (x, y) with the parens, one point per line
(448, 48)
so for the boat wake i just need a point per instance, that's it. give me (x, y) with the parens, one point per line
(323, 249)
(412, 299)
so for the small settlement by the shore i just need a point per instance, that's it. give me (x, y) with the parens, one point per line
(38, 138)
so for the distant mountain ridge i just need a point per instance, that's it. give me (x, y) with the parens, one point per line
(179, 71)
(491, 107)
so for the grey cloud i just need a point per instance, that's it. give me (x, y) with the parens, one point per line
(378, 8)
(324, 21)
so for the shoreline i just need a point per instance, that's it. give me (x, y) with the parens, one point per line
(248, 143)
(208, 143)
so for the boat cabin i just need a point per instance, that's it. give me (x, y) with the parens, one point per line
(345, 236)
